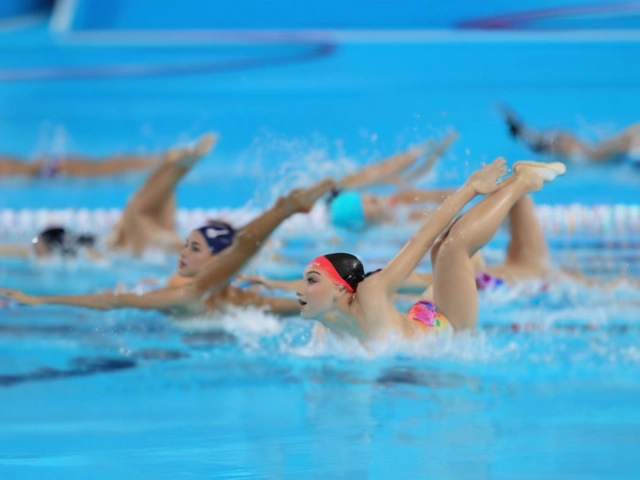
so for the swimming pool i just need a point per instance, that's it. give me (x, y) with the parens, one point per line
(131, 394)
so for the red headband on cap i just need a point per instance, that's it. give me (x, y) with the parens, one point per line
(323, 264)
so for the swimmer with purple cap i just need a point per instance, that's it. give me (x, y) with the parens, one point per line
(212, 255)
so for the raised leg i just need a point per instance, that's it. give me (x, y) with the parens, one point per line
(11, 166)
(148, 219)
(454, 290)
(84, 167)
(161, 184)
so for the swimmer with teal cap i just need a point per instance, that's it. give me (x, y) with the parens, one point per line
(351, 209)
(347, 211)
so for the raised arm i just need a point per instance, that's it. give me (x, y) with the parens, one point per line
(165, 299)
(400, 267)
(219, 270)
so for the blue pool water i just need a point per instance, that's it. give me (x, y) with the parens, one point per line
(547, 387)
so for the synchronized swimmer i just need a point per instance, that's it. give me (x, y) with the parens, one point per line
(623, 147)
(334, 290)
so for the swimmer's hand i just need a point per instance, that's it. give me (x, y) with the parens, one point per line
(256, 280)
(20, 297)
(289, 285)
(485, 180)
(302, 199)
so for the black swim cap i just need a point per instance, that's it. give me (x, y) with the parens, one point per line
(348, 267)
(59, 240)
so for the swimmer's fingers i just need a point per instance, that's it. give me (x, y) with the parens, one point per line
(254, 279)
(18, 296)
(485, 180)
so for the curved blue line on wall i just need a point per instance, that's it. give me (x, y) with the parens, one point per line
(524, 19)
(314, 52)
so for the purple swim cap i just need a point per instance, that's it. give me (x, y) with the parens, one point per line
(219, 235)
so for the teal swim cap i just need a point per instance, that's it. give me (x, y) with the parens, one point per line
(346, 211)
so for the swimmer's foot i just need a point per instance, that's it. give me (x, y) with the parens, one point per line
(539, 172)
(302, 200)
(188, 156)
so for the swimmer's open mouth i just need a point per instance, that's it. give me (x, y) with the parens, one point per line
(302, 303)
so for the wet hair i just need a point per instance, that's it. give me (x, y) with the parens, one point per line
(60, 241)
(348, 266)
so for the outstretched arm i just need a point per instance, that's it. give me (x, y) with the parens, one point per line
(277, 305)
(400, 267)
(415, 282)
(217, 272)
(165, 299)
(287, 285)
(15, 251)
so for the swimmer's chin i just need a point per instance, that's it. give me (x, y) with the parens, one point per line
(182, 272)
(304, 311)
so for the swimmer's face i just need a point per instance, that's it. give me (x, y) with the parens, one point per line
(193, 255)
(373, 208)
(316, 293)
(40, 248)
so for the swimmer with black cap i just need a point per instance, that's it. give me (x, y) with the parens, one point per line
(147, 222)
(352, 209)
(211, 257)
(336, 291)
(622, 147)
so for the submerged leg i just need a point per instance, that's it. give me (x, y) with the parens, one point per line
(528, 246)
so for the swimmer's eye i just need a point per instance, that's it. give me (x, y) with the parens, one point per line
(311, 280)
